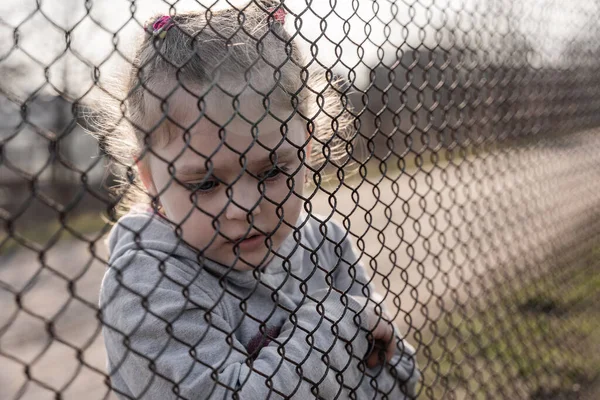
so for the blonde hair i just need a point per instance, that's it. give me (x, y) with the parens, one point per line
(203, 48)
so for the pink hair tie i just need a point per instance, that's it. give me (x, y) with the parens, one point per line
(279, 14)
(161, 26)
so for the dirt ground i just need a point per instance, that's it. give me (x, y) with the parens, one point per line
(430, 237)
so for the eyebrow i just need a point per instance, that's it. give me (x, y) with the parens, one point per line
(196, 170)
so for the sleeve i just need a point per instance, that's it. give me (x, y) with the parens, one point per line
(350, 277)
(163, 345)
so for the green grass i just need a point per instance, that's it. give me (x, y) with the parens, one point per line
(540, 339)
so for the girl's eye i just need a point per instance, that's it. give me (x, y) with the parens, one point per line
(272, 173)
(202, 186)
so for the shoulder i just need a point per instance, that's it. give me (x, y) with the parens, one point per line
(145, 269)
(329, 238)
(142, 230)
(148, 268)
(142, 290)
(324, 230)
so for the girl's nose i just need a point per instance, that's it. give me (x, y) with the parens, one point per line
(243, 200)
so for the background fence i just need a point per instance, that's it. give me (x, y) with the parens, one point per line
(478, 207)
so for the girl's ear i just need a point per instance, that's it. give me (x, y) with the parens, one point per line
(308, 152)
(146, 177)
(308, 146)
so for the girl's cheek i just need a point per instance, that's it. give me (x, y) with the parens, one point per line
(279, 192)
(299, 182)
(207, 203)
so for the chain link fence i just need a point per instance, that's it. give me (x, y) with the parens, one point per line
(452, 144)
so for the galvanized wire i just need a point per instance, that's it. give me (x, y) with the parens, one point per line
(474, 206)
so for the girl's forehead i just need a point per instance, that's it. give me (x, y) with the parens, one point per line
(227, 155)
(240, 137)
(235, 134)
(226, 148)
(221, 104)
(216, 121)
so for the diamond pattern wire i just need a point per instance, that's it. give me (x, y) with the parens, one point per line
(264, 199)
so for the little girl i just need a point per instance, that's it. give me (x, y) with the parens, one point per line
(220, 286)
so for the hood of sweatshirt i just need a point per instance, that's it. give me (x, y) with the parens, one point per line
(141, 230)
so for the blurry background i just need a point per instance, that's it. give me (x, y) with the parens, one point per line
(477, 210)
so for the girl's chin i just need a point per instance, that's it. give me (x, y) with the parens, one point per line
(248, 261)
(252, 263)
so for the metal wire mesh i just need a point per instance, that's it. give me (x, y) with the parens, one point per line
(454, 142)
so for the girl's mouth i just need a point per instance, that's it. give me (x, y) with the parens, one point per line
(250, 243)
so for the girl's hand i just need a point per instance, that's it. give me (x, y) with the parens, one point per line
(384, 345)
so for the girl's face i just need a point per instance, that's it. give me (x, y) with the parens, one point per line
(226, 204)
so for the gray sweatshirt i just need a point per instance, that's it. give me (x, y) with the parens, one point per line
(177, 326)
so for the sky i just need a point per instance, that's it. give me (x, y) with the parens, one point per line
(103, 34)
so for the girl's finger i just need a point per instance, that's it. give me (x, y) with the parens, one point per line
(391, 343)
(372, 360)
(385, 341)
(378, 355)
(388, 343)
(383, 331)
(391, 348)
